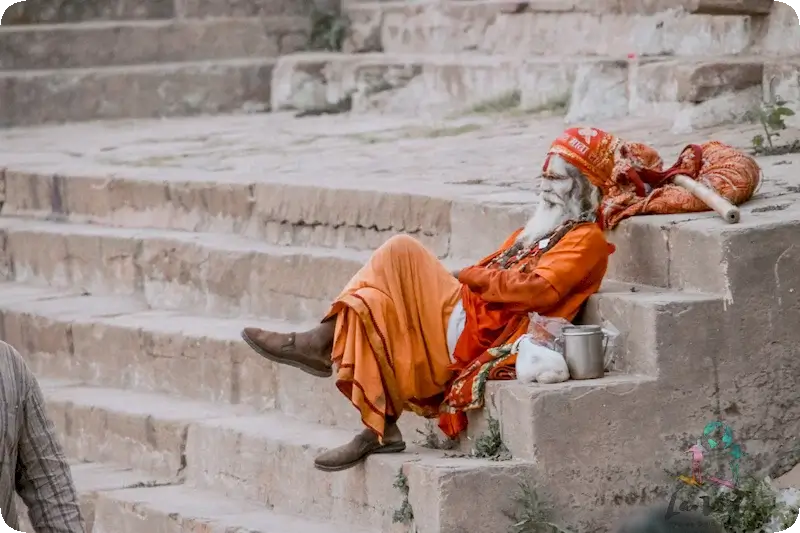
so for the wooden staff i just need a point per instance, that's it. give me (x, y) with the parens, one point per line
(725, 209)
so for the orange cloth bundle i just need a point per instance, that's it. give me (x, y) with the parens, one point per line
(729, 172)
(623, 170)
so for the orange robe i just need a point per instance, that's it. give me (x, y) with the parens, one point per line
(497, 302)
(390, 344)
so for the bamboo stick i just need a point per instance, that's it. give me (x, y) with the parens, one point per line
(725, 209)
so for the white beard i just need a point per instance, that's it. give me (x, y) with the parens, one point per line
(561, 205)
(545, 219)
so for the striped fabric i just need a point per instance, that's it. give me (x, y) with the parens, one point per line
(32, 463)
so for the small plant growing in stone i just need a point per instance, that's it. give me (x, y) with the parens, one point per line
(499, 104)
(432, 440)
(328, 30)
(751, 507)
(404, 514)
(490, 445)
(772, 118)
(531, 513)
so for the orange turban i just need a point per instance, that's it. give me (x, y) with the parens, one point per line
(590, 150)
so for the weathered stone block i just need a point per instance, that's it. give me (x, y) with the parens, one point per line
(528, 29)
(782, 81)
(546, 88)
(38, 97)
(715, 7)
(179, 509)
(137, 43)
(392, 83)
(189, 9)
(695, 82)
(76, 260)
(105, 425)
(600, 92)
(274, 459)
(60, 11)
(497, 223)
(642, 252)
(91, 480)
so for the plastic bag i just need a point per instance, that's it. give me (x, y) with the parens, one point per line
(547, 331)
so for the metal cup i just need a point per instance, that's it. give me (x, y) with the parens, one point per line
(585, 351)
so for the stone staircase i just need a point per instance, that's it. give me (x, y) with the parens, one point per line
(698, 63)
(135, 252)
(68, 60)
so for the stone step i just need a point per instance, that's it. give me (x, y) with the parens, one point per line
(696, 92)
(120, 500)
(278, 213)
(491, 27)
(60, 11)
(268, 458)
(66, 335)
(702, 254)
(250, 8)
(442, 84)
(627, 7)
(782, 81)
(91, 480)
(109, 43)
(163, 90)
(210, 274)
(185, 271)
(54, 11)
(183, 509)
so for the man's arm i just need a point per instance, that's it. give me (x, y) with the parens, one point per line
(43, 477)
(559, 271)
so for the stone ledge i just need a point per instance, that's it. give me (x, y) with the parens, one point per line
(269, 458)
(162, 90)
(692, 92)
(91, 481)
(211, 274)
(145, 510)
(102, 44)
(60, 11)
(600, 7)
(188, 9)
(203, 359)
(492, 27)
(278, 213)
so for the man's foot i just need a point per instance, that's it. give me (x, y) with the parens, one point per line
(364, 444)
(309, 351)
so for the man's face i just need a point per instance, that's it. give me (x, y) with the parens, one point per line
(556, 191)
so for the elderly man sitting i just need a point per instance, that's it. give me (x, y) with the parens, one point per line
(404, 327)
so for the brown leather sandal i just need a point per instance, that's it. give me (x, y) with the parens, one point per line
(287, 354)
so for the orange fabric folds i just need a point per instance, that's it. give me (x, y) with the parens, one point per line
(733, 174)
(497, 298)
(390, 344)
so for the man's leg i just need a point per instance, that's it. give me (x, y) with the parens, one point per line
(309, 351)
(365, 443)
(386, 333)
